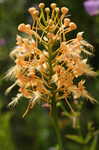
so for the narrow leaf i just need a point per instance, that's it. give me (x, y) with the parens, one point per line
(75, 138)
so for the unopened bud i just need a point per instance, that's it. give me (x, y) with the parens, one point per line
(31, 10)
(47, 10)
(80, 35)
(73, 26)
(66, 22)
(64, 10)
(36, 13)
(21, 27)
(41, 5)
(53, 5)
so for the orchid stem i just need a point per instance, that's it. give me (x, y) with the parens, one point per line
(55, 124)
(54, 116)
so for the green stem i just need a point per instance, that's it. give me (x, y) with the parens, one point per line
(55, 124)
(54, 116)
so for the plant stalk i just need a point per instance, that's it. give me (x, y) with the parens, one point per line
(56, 124)
(54, 116)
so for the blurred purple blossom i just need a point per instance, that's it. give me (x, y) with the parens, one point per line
(92, 7)
(2, 42)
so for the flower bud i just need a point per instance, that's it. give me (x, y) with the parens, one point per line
(53, 5)
(35, 13)
(21, 27)
(73, 26)
(41, 5)
(47, 10)
(66, 22)
(64, 10)
(57, 9)
(31, 10)
(79, 35)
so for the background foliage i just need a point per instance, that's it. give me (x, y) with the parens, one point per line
(35, 132)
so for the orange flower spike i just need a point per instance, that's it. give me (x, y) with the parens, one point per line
(45, 57)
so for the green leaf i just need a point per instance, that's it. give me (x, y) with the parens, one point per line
(76, 138)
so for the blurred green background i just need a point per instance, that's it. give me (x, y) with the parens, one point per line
(35, 132)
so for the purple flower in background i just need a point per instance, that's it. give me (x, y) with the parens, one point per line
(92, 7)
(2, 42)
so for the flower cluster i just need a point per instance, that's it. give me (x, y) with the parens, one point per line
(46, 63)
